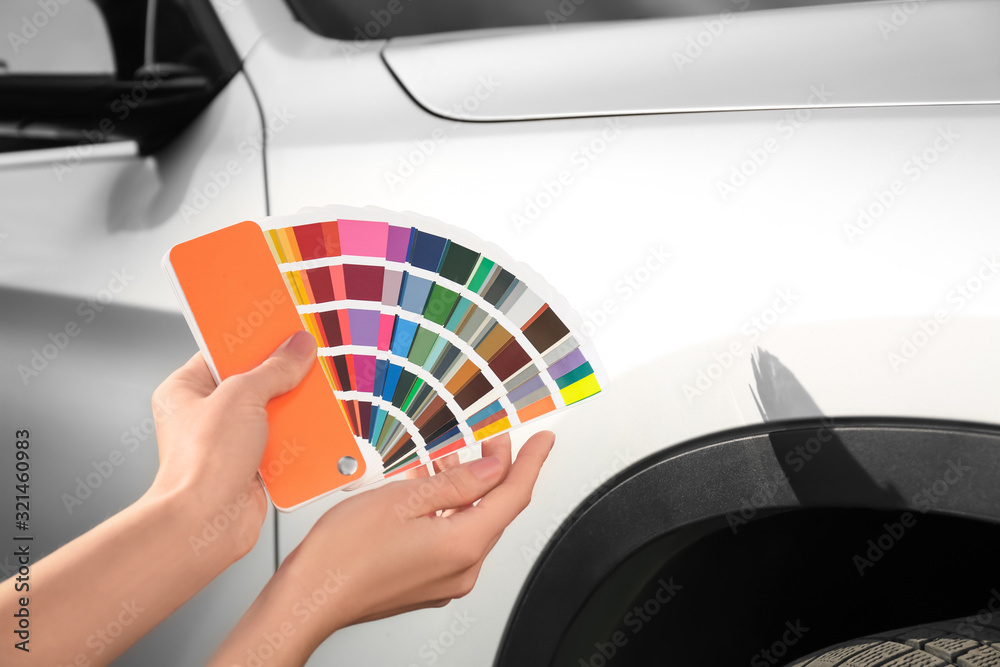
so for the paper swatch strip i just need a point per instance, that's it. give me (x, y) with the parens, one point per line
(429, 344)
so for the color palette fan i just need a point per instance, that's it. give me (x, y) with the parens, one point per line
(432, 342)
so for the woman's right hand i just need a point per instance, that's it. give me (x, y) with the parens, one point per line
(407, 545)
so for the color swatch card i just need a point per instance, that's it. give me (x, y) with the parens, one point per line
(239, 309)
(429, 339)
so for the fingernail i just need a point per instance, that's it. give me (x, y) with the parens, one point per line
(486, 469)
(301, 344)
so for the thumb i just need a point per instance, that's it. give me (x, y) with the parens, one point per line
(455, 487)
(281, 372)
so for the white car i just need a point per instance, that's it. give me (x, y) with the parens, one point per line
(779, 226)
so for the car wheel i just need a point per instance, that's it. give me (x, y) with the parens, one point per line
(961, 642)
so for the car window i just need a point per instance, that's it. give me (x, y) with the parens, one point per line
(383, 19)
(54, 37)
(83, 72)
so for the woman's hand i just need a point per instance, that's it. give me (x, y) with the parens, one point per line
(96, 596)
(407, 545)
(211, 438)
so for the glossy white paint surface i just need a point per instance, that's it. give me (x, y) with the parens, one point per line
(73, 215)
(611, 198)
(866, 53)
(651, 184)
(85, 250)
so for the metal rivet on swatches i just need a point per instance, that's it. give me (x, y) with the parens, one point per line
(347, 465)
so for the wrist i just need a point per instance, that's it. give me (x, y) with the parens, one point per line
(316, 593)
(214, 535)
(285, 609)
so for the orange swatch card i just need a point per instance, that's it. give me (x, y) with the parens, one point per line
(239, 309)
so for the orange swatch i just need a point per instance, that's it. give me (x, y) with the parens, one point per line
(240, 304)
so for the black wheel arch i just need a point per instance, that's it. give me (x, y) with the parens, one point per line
(738, 481)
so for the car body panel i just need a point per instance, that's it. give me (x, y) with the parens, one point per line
(867, 53)
(831, 237)
(654, 186)
(125, 209)
(84, 230)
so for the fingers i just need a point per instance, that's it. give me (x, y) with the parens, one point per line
(500, 448)
(455, 487)
(279, 373)
(422, 471)
(418, 472)
(446, 462)
(440, 465)
(499, 507)
(194, 374)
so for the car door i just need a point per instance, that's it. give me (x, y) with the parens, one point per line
(811, 181)
(112, 148)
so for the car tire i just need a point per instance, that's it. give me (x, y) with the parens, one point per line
(960, 642)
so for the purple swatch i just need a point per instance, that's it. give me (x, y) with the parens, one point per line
(399, 243)
(364, 327)
(525, 388)
(364, 372)
(566, 364)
